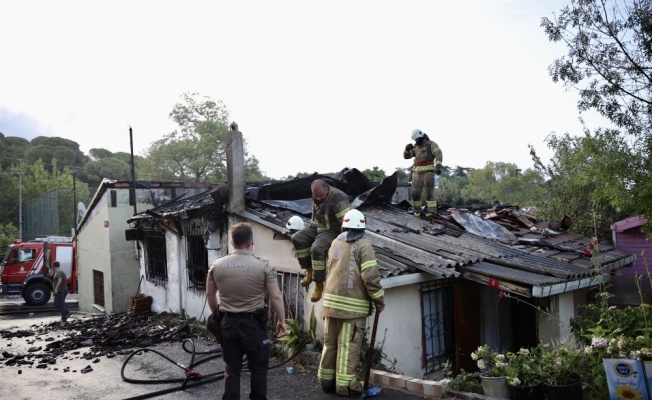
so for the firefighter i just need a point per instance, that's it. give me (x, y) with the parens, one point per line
(427, 163)
(311, 243)
(352, 285)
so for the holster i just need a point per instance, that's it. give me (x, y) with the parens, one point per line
(213, 324)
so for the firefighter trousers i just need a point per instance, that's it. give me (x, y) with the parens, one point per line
(341, 355)
(311, 249)
(424, 181)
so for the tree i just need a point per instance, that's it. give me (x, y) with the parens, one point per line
(12, 150)
(590, 180)
(504, 182)
(609, 63)
(609, 58)
(375, 174)
(197, 150)
(98, 154)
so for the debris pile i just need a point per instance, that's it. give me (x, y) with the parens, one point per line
(139, 304)
(90, 338)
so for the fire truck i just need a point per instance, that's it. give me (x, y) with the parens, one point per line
(26, 270)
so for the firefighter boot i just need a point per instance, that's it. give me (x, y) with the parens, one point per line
(316, 295)
(308, 279)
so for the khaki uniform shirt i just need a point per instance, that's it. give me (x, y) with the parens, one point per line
(241, 278)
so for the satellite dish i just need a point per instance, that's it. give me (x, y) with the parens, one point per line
(81, 210)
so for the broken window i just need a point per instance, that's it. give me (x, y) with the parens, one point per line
(196, 263)
(437, 314)
(156, 268)
(290, 285)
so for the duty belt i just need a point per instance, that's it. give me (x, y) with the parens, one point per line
(424, 163)
(242, 315)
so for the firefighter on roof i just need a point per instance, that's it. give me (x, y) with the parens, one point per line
(427, 162)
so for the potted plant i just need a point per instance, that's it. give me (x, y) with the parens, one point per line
(524, 373)
(493, 371)
(561, 372)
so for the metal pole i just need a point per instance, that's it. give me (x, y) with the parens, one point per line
(74, 205)
(133, 174)
(20, 207)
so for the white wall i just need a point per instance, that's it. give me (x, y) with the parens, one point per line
(561, 308)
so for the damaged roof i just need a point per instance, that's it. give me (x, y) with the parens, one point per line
(503, 248)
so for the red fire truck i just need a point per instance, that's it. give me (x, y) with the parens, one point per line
(26, 270)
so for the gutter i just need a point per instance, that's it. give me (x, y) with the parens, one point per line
(404, 280)
(545, 291)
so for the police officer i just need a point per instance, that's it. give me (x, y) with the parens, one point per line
(352, 285)
(242, 280)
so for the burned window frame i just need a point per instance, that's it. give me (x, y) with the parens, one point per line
(156, 265)
(196, 263)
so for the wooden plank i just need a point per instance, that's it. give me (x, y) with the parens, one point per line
(504, 285)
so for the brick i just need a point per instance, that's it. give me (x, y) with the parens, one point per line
(397, 381)
(433, 389)
(377, 376)
(415, 385)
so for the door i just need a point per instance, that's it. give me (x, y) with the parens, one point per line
(467, 324)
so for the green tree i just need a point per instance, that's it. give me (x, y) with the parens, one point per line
(197, 150)
(11, 150)
(375, 174)
(98, 154)
(590, 180)
(505, 183)
(609, 60)
(65, 151)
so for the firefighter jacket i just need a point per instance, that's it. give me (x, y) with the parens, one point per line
(352, 279)
(328, 214)
(427, 156)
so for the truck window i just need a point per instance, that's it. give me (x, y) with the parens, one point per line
(25, 255)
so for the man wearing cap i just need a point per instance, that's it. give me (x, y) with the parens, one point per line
(60, 290)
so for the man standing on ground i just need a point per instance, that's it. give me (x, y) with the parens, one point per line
(353, 283)
(242, 280)
(427, 162)
(60, 290)
(311, 244)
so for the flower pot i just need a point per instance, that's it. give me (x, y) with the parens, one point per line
(495, 386)
(526, 392)
(572, 391)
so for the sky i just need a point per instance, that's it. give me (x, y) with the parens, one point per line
(314, 87)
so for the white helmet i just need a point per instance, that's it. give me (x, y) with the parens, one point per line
(353, 219)
(417, 133)
(295, 223)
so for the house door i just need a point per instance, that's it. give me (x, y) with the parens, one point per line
(467, 324)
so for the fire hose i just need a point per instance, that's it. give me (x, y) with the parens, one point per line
(192, 377)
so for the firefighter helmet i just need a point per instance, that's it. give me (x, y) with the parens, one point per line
(417, 133)
(295, 223)
(353, 219)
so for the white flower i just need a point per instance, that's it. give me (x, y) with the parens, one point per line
(501, 364)
(524, 352)
(599, 342)
(621, 343)
(500, 357)
(481, 365)
(474, 356)
(588, 349)
(639, 338)
(514, 381)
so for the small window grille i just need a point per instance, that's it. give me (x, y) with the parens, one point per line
(197, 263)
(290, 285)
(98, 288)
(438, 324)
(155, 257)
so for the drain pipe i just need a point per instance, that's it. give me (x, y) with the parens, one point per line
(181, 311)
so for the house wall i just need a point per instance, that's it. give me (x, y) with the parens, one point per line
(400, 325)
(93, 253)
(555, 323)
(626, 288)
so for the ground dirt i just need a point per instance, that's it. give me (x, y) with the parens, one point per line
(29, 367)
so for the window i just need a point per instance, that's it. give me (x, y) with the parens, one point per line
(438, 323)
(292, 290)
(197, 263)
(98, 288)
(156, 269)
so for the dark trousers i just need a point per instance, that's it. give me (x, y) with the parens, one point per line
(60, 303)
(242, 337)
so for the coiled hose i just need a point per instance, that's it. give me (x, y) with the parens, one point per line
(193, 378)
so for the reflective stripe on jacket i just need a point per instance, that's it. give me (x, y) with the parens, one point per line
(352, 279)
(428, 151)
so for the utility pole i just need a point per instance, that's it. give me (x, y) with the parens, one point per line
(20, 207)
(133, 174)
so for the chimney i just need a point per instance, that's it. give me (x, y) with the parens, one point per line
(235, 170)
